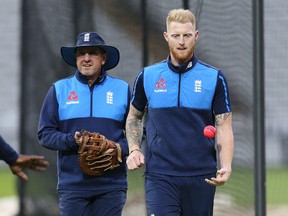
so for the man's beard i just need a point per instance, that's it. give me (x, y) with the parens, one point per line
(184, 57)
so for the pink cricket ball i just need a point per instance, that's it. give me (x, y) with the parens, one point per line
(209, 131)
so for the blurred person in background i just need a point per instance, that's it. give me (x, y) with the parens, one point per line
(18, 162)
(179, 97)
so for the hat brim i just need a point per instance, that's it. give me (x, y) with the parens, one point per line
(68, 55)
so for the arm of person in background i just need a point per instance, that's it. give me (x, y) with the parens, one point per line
(18, 162)
(32, 162)
(225, 146)
(134, 132)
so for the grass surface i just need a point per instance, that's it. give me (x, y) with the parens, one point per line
(241, 186)
(277, 186)
(8, 183)
(135, 181)
(276, 180)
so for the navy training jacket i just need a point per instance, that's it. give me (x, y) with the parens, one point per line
(7, 153)
(180, 102)
(71, 105)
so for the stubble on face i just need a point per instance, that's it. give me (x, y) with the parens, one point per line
(182, 54)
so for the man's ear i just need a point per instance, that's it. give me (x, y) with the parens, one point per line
(105, 56)
(196, 34)
(165, 34)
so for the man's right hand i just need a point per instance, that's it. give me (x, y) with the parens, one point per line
(135, 160)
(78, 137)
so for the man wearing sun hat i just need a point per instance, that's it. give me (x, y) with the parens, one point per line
(94, 101)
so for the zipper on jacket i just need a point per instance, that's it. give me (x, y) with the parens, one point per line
(91, 100)
(179, 87)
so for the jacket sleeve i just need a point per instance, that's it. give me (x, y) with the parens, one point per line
(221, 102)
(49, 134)
(139, 99)
(7, 153)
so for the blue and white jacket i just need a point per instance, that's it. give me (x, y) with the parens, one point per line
(180, 102)
(71, 105)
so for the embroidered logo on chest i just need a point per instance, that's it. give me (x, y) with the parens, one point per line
(160, 86)
(198, 86)
(109, 97)
(72, 98)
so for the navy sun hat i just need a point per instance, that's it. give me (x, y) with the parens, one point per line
(87, 39)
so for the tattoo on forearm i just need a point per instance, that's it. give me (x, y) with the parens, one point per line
(221, 117)
(134, 128)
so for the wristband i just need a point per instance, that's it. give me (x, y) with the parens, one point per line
(135, 150)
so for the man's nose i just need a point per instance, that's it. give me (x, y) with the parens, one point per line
(86, 56)
(181, 40)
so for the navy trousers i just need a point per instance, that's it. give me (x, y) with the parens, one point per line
(179, 196)
(90, 203)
